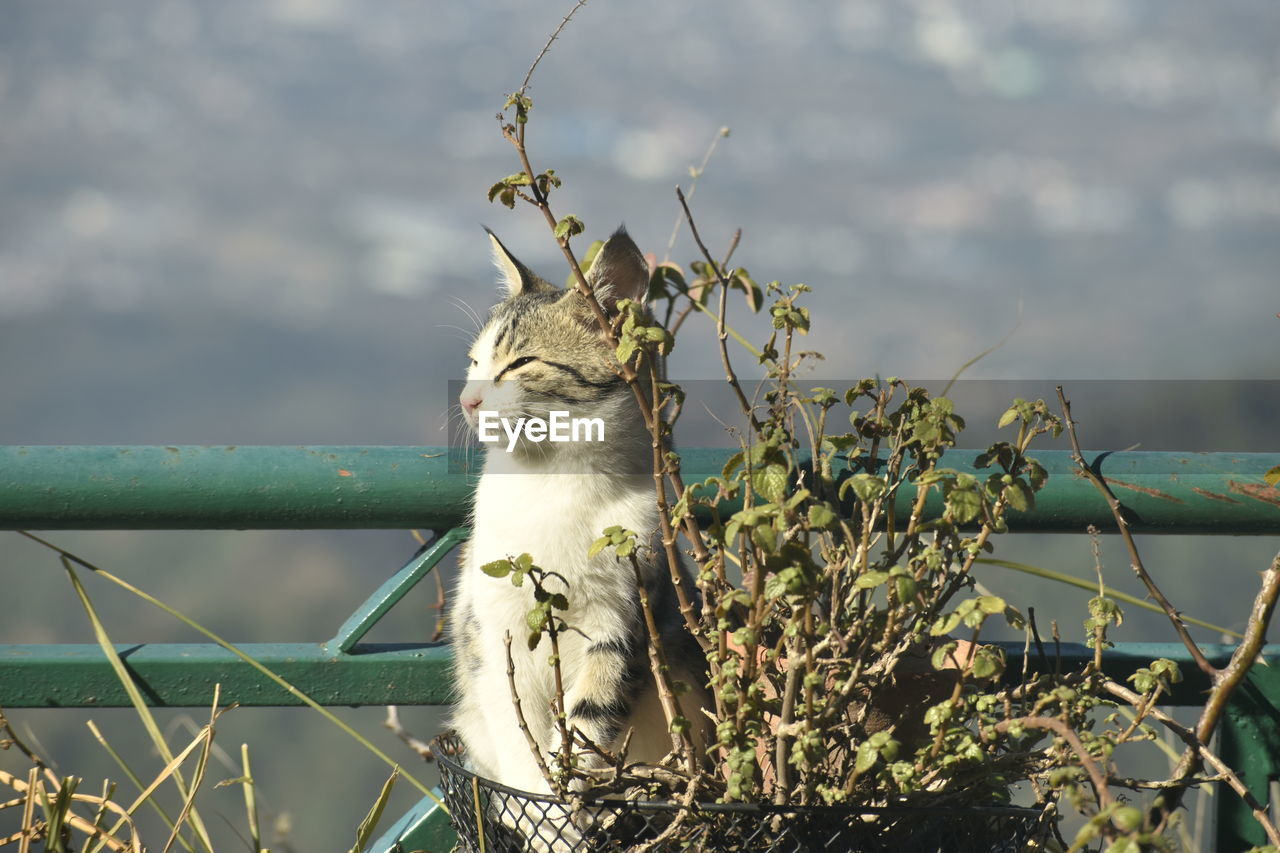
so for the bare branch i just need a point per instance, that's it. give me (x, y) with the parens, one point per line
(1226, 680)
(534, 748)
(1193, 742)
(1135, 559)
(1062, 730)
(524, 85)
(392, 723)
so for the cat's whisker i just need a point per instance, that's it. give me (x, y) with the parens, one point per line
(463, 335)
(466, 309)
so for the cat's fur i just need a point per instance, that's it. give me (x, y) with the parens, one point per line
(542, 350)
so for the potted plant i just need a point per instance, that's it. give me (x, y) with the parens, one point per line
(852, 701)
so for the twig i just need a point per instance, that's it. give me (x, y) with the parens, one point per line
(688, 293)
(730, 376)
(955, 377)
(1135, 559)
(1064, 731)
(1193, 742)
(534, 749)
(515, 134)
(681, 741)
(1226, 680)
(1099, 626)
(695, 303)
(693, 187)
(440, 606)
(781, 769)
(546, 47)
(392, 722)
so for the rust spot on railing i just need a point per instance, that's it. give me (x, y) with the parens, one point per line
(1214, 496)
(1146, 490)
(1257, 491)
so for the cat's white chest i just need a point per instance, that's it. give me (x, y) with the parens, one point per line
(554, 517)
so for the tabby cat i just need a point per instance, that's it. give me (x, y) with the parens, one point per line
(541, 350)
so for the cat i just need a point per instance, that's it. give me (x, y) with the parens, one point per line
(541, 350)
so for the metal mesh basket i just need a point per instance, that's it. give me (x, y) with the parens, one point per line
(497, 819)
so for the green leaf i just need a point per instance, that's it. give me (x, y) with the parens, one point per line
(865, 486)
(942, 654)
(536, 618)
(821, 516)
(991, 604)
(497, 569)
(1127, 819)
(547, 181)
(1038, 476)
(1008, 417)
(1273, 476)
(598, 546)
(986, 664)
(735, 461)
(925, 432)
(771, 482)
(568, 227)
(1167, 669)
(868, 580)
(752, 291)
(779, 585)
(945, 624)
(965, 504)
(938, 714)
(796, 499)
(662, 274)
(765, 537)
(364, 832)
(584, 262)
(1019, 496)
(867, 756)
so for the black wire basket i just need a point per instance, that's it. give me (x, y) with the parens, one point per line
(494, 818)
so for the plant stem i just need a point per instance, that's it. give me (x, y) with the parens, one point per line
(1135, 559)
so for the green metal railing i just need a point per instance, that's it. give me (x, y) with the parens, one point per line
(141, 488)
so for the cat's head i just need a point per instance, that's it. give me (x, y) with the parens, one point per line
(542, 351)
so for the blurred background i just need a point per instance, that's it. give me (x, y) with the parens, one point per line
(233, 222)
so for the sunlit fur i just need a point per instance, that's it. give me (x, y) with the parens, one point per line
(542, 350)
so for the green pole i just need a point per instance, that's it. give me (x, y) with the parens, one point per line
(152, 488)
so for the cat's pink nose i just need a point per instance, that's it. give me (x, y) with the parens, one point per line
(470, 402)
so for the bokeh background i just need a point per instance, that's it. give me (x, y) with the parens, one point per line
(259, 223)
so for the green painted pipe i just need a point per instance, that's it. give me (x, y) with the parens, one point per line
(183, 675)
(142, 488)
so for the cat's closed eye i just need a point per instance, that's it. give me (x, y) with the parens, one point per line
(518, 363)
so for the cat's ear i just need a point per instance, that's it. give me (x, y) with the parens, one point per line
(619, 271)
(515, 277)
